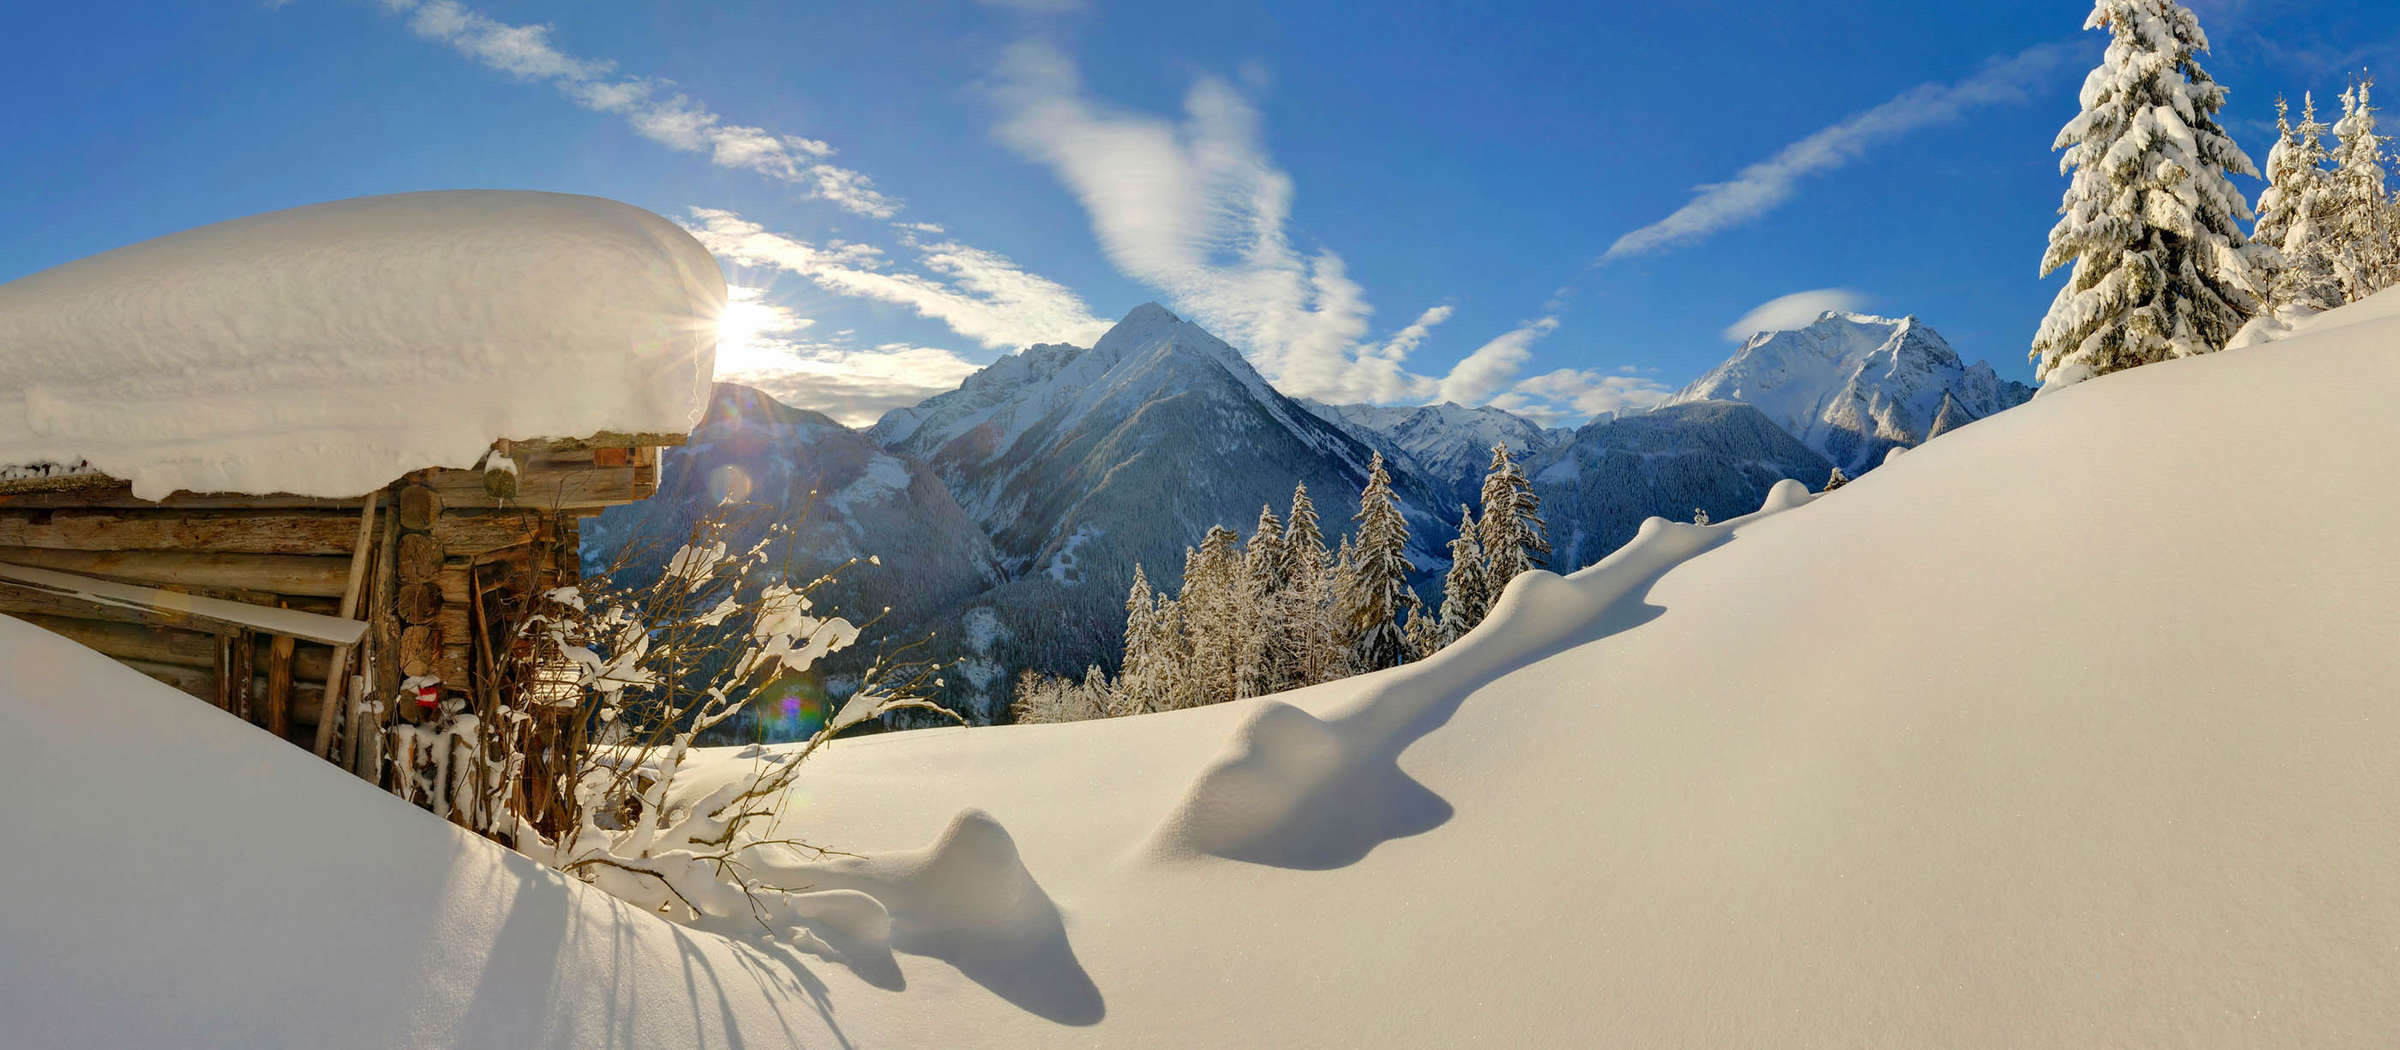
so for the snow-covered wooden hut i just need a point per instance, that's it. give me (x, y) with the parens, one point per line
(326, 453)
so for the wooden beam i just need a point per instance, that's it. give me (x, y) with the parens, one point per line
(274, 573)
(279, 685)
(176, 607)
(337, 668)
(539, 489)
(224, 532)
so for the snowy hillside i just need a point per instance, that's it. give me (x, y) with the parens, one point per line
(1864, 770)
(1852, 386)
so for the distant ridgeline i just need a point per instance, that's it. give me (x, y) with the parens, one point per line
(1008, 515)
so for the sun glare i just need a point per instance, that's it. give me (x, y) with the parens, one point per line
(744, 330)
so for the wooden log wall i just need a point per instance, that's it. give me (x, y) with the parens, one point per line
(419, 595)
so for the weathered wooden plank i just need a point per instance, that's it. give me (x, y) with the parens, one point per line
(420, 650)
(279, 685)
(466, 535)
(173, 608)
(118, 495)
(338, 663)
(127, 641)
(224, 532)
(539, 489)
(274, 573)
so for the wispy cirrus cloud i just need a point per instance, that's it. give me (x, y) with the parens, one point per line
(1757, 189)
(1195, 208)
(1572, 395)
(650, 105)
(978, 294)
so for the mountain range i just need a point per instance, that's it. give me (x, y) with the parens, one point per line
(1009, 514)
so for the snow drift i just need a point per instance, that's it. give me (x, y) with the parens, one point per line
(328, 349)
(2074, 727)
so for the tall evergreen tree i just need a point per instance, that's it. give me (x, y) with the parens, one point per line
(1466, 591)
(1213, 617)
(2290, 214)
(2358, 215)
(1142, 675)
(1317, 642)
(1378, 593)
(1422, 634)
(2149, 219)
(1511, 531)
(1268, 647)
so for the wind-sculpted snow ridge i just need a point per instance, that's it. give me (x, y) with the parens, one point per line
(328, 349)
(1299, 791)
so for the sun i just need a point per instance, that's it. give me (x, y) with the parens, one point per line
(745, 328)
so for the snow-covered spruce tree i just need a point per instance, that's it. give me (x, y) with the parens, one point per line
(1038, 698)
(1699, 516)
(1310, 585)
(2357, 213)
(1835, 480)
(1142, 674)
(1511, 531)
(1466, 590)
(1214, 624)
(1377, 592)
(2290, 215)
(1422, 632)
(1171, 649)
(2149, 220)
(1267, 644)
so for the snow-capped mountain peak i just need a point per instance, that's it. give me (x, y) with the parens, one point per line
(1851, 385)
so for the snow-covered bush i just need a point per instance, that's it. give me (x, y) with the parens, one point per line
(649, 669)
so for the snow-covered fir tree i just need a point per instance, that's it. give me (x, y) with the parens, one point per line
(2290, 214)
(1310, 585)
(1511, 531)
(1214, 623)
(1143, 674)
(1269, 651)
(1422, 633)
(2357, 213)
(2150, 222)
(1836, 480)
(1699, 516)
(1377, 594)
(1466, 590)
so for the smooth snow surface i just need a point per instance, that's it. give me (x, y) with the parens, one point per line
(2074, 728)
(328, 349)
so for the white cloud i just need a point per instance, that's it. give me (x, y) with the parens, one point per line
(1489, 369)
(649, 105)
(1573, 395)
(1792, 311)
(981, 295)
(1195, 208)
(760, 344)
(1757, 189)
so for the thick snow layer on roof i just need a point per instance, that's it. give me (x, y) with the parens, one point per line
(328, 349)
(2072, 728)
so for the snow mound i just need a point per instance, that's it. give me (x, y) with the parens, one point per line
(327, 349)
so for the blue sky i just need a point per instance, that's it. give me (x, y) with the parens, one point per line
(1494, 204)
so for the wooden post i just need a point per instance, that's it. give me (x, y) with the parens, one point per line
(243, 666)
(279, 684)
(338, 675)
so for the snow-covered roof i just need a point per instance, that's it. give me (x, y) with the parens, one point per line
(328, 349)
